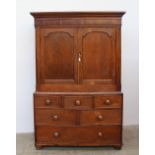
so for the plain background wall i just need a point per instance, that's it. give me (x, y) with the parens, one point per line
(26, 53)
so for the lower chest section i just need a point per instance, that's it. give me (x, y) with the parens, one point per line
(78, 120)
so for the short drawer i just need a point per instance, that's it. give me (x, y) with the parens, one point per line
(79, 136)
(47, 101)
(108, 101)
(78, 102)
(100, 117)
(55, 117)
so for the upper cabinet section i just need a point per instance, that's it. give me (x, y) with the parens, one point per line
(78, 51)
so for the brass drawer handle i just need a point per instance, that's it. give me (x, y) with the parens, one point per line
(48, 102)
(77, 102)
(107, 101)
(100, 134)
(100, 117)
(55, 117)
(56, 134)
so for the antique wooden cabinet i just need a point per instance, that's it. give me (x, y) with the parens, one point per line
(78, 99)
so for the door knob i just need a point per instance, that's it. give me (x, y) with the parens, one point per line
(107, 101)
(56, 134)
(55, 117)
(100, 117)
(100, 134)
(77, 102)
(48, 102)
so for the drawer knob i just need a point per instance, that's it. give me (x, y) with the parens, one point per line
(100, 117)
(56, 134)
(107, 101)
(77, 102)
(48, 102)
(100, 134)
(55, 117)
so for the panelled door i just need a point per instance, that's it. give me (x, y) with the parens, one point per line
(78, 56)
(96, 48)
(57, 55)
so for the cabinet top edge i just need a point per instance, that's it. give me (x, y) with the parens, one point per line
(79, 93)
(76, 14)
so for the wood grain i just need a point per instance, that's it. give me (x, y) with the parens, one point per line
(78, 99)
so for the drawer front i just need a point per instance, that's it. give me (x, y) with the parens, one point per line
(100, 117)
(108, 101)
(55, 117)
(83, 136)
(78, 102)
(47, 101)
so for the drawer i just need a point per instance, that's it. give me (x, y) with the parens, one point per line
(109, 101)
(48, 101)
(55, 117)
(100, 117)
(78, 102)
(78, 136)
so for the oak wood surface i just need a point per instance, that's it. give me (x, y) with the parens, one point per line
(75, 136)
(55, 117)
(78, 102)
(114, 101)
(47, 101)
(100, 117)
(77, 14)
(78, 99)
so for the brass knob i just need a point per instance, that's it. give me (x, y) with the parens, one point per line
(77, 102)
(56, 134)
(55, 117)
(48, 102)
(100, 134)
(107, 101)
(100, 117)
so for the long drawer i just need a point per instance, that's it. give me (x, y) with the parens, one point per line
(76, 136)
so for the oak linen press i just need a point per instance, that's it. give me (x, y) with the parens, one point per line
(78, 99)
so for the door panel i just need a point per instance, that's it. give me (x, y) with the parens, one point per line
(58, 48)
(98, 56)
